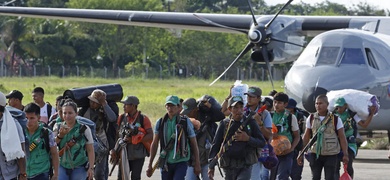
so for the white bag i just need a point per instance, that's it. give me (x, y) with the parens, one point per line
(358, 101)
(240, 89)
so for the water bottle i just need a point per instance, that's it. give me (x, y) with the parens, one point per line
(208, 144)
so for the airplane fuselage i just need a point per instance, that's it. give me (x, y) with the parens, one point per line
(345, 59)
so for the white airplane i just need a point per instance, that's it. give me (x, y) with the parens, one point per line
(347, 52)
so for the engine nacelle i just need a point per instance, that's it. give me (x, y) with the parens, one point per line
(257, 56)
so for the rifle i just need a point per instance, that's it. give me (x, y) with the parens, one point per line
(161, 161)
(118, 148)
(314, 138)
(229, 143)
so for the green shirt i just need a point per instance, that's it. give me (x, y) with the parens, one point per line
(39, 160)
(281, 119)
(170, 129)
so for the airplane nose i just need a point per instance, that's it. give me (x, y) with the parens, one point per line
(309, 98)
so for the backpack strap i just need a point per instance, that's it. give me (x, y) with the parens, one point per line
(45, 137)
(49, 107)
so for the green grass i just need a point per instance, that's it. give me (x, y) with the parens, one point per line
(151, 92)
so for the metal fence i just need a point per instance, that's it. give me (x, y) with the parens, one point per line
(243, 73)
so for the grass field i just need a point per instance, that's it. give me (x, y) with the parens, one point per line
(151, 92)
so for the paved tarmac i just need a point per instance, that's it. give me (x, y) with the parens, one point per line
(369, 164)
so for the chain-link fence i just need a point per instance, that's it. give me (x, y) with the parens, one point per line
(185, 71)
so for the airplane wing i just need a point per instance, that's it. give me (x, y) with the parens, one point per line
(310, 25)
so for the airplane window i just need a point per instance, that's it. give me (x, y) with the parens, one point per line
(328, 55)
(371, 59)
(352, 56)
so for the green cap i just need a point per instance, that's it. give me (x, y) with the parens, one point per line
(339, 102)
(172, 100)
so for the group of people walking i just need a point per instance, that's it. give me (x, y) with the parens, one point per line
(194, 137)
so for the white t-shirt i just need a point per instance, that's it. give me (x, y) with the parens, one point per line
(294, 123)
(339, 122)
(44, 116)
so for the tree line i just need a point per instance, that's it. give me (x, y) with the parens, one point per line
(28, 42)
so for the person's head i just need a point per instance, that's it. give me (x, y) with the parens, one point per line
(181, 100)
(38, 94)
(130, 104)
(172, 105)
(322, 104)
(236, 107)
(254, 96)
(69, 111)
(33, 112)
(3, 103)
(292, 104)
(94, 98)
(15, 98)
(190, 106)
(272, 93)
(340, 105)
(280, 102)
(58, 100)
(269, 103)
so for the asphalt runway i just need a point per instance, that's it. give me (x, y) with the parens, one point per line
(369, 164)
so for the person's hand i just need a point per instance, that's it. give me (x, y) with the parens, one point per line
(300, 160)
(241, 136)
(90, 173)
(127, 139)
(372, 110)
(258, 119)
(196, 123)
(102, 99)
(149, 172)
(113, 156)
(345, 159)
(54, 177)
(197, 169)
(64, 130)
(21, 177)
(210, 173)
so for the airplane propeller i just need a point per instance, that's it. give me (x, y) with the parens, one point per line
(258, 37)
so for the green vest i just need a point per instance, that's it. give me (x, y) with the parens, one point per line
(37, 162)
(348, 129)
(77, 154)
(282, 119)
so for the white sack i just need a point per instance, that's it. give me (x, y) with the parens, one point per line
(240, 89)
(358, 101)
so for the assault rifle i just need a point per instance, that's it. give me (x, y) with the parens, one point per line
(229, 143)
(161, 161)
(314, 138)
(118, 148)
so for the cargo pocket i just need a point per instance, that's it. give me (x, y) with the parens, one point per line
(331, 146)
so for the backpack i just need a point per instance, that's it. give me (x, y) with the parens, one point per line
(300, 142)
(49, 107)
(353, 122)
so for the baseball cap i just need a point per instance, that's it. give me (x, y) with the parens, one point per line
(234, 100)
(188, 105)
(253, 91)
(339, 102)
(3, 100)
(131, 100)
(172, 99)
(291, 103)
(15, 94)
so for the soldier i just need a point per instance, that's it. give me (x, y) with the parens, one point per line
(330, 136)
(244, 137)
(207, 111)
(42, 147)
(137, 140)
(176, 136)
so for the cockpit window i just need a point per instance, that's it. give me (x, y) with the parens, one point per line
(328, 55)
(371, 59)
(352, 56)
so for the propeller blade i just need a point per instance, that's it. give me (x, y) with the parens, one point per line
(265, 55)
(276, 15)
(253, 14)
(282, 41)
(207, 21)
(248, 47)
